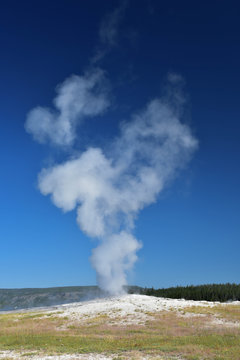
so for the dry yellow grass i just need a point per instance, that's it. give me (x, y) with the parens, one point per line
(227, 312)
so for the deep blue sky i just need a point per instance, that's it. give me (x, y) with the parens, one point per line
(192, 234)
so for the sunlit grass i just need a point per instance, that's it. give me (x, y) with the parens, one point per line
(224, 311)
(165, 334)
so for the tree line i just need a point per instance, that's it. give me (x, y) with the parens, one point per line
(208, 292)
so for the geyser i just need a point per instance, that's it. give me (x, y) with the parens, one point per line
(109, 187)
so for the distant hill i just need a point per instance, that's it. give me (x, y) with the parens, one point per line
(14, 299)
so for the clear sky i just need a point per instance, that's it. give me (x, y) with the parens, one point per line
(191, 234)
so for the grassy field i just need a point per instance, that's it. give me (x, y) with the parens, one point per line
(193, 333)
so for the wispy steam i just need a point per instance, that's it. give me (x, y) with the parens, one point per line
(78, 97)
(109, 31)
(109, 27)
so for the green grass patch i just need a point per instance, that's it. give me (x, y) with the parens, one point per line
(165, 334)
(212, 345)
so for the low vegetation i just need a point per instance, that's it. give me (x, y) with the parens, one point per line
(191, 333)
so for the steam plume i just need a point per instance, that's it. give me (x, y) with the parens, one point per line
(109, 187)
